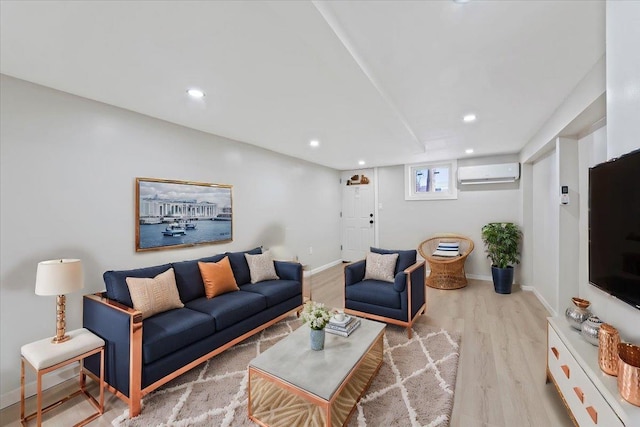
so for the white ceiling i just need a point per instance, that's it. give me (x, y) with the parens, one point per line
(382, 81)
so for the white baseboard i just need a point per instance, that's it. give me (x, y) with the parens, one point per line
(480, 277)
(541, 299)
(52, 379)
(322, 268)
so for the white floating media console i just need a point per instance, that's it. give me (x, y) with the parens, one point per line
(590, 395)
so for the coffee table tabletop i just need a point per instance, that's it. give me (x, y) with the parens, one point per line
(318, 372)
(290, 384)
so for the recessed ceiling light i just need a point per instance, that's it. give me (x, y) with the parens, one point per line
(314, 143)
(195, 93)
(469, 150)
(461, 1)
(469, 118)
(361, 162)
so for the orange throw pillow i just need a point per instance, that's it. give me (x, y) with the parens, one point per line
(217, 277)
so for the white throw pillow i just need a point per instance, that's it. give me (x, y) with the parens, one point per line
(380, 267)
(447, 249)
(261, 267)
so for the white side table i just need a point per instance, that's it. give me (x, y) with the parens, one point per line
(44, 357)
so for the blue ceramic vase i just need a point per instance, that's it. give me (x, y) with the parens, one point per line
(317, 339)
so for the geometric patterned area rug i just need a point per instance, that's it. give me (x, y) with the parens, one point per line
(414, 386)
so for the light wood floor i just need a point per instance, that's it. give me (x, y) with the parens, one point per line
(501, 376)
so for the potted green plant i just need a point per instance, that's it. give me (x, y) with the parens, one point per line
(502, 242)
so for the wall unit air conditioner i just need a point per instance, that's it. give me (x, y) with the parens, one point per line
(489, 174)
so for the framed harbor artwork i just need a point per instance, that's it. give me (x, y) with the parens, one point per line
(176, 214)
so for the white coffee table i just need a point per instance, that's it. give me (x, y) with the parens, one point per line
(290, 384)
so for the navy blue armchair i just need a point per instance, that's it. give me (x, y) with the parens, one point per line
(399, 303)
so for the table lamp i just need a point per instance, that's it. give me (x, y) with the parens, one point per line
(59, 277)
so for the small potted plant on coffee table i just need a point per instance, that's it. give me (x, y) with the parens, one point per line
(502, 241)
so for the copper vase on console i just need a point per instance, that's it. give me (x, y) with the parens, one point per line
(608, 339)
(629, 372)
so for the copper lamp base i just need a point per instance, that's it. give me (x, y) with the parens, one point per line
(61, 325)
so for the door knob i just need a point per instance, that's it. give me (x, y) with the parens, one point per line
(371, 222)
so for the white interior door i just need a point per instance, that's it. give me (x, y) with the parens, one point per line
(358, 215)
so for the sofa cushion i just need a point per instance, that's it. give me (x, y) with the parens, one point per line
(167, 332)
(380, 267)
(189, 279)
(373, 292)
(153, 296)
(261, 267)
(218, 277)
(275, 291)
(230, 308)
(405, 258)
(116, 281)
(239, 265)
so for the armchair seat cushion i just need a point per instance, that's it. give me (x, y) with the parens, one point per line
(374, 292)
(171, 330)
(275, 291)
(230, 308)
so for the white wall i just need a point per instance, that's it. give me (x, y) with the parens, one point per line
(623, 128)
(620, 136)
(586, 92)
(623, 77)
(583, 96)
(592, 150)
(568, 240)
(405, 224)
(68, 169)
(544, 229)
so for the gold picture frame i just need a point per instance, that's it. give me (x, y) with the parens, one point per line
(177, 214)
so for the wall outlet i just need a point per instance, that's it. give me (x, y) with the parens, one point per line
(310, 250)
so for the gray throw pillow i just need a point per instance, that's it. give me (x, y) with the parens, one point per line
(261, 267)
(380, 267)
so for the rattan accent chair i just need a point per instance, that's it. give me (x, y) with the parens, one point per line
(446, 273)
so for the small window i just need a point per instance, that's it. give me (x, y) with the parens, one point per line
(431, 181)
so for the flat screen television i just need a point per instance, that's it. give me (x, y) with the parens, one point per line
(614, 227)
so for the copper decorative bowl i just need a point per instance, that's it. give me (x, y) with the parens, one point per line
(578, 312)
(580, 303)
(629, 372)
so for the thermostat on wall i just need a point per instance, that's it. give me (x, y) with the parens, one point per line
(564, 196)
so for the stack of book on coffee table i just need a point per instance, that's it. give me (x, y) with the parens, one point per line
(343, 327)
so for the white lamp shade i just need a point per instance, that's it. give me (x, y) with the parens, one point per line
(59, 277)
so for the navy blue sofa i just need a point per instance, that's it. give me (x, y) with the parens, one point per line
(399, 303)
(141, 355)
